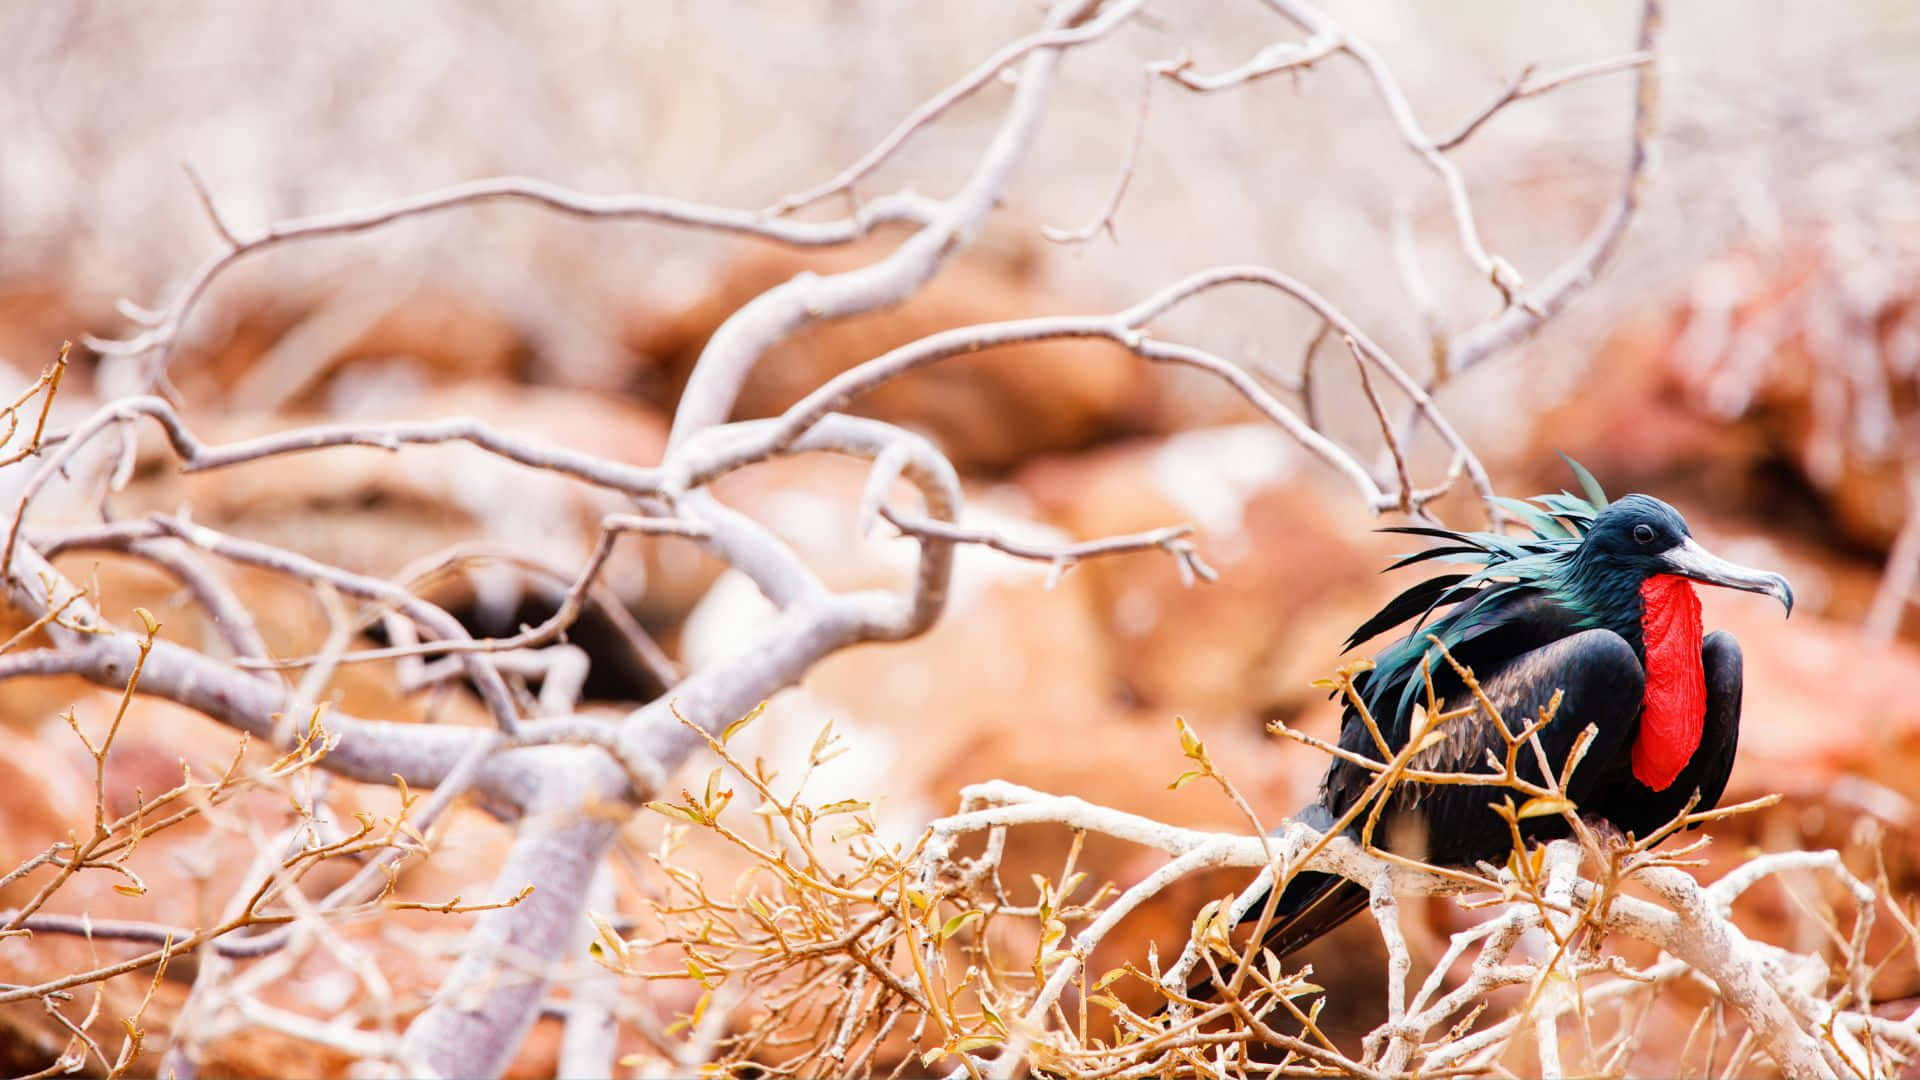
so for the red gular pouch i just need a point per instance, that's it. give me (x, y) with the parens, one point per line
(1675, 707)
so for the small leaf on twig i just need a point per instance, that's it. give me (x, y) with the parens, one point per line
(823, 748)
(1543, 806)
(959, 922)
(738, 725)
(679, 813)
(1190, 743)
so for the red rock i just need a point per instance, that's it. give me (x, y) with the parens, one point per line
(987, 410)
(1297, 566)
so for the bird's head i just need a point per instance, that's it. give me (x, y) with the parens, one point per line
(1639, 537)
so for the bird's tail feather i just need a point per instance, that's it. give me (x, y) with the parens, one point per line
(1311, 905)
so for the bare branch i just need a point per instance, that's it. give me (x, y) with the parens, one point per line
(212, 209)
(740, 342)
(1551, 295)
(1272, 60)
(1525, 85)
(553, 627)
(163, 335)
(1062, 558)
(1059, 36)
(1104, 222)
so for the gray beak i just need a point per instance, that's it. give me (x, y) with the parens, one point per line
(1690, 560)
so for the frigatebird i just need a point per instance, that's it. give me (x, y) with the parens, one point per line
(1596, 605)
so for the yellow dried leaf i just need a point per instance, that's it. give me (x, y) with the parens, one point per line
(1190, 743)
(1543, 806)
(735, 728)
(821, 743)
(679, 813)
(1203, 921)
(859, 827)
(959, 922)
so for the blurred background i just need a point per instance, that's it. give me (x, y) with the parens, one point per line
(1753, 356)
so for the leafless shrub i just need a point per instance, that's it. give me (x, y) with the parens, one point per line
(837, 954)
(267, 915)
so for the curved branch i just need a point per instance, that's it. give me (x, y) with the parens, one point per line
(1054, 38)
(371, 751)
(164, 335)
(739, 343)
(1553, 294)
(700, 462)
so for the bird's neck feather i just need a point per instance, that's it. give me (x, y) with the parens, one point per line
(1675, 705)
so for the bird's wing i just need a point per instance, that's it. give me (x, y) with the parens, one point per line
(1483, 637)
(1601, 683)
(1640, 810)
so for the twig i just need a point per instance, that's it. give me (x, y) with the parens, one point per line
(1525, 85)
(1061, 558)
(49, 382)
(1103, 222)
(1054, 39)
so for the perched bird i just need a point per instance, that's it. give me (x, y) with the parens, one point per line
(1597, 604)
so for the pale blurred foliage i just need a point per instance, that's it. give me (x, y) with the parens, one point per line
(1771, 120)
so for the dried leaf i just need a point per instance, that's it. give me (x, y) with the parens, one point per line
(859, 827)
(821, 743)
(1543, 806)
(1204, 921)
(679, 813)
(738, 725)
(1190, 743)
(958, 922)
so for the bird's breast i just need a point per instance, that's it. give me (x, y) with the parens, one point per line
(1675, 707)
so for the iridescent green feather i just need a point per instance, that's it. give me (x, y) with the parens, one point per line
(1493, 571)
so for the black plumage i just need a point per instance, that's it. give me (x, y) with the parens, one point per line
(1586, 606)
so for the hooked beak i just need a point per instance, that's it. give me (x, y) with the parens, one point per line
(1691, 560)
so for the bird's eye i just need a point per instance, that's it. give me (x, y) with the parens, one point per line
(1643, 534)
